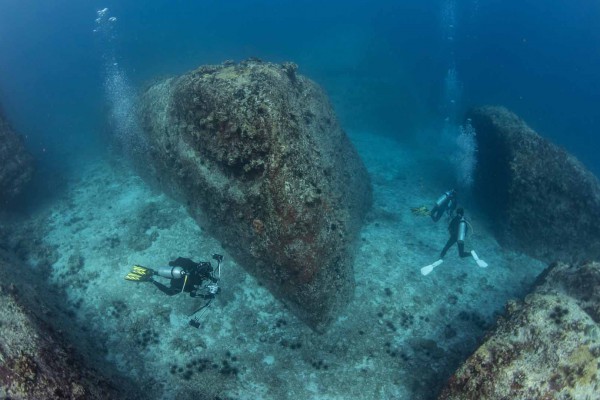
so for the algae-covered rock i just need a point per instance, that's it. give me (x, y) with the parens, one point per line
(255, 152)
(542, 200)
(16, 164)
(546, 347)
(35, 361)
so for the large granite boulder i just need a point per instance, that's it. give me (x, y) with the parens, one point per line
(546, 347)
(35, 360)
(541, 199)
(16, 165)
(255, 152)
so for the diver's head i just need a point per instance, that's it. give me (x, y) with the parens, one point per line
(460, 211)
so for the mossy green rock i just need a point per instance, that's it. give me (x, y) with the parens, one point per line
(255, 152)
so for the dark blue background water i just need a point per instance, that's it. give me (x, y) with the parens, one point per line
(383, 63)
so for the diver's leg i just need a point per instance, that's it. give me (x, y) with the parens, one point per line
(461, 250)
(449, 244)
(436, 214)
(165, 289)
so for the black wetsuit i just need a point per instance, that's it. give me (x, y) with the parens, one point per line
(453, 230)
(198, 273)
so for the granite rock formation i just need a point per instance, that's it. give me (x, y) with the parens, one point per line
(546, 347)
(35, 360)
(255, 152)
(16, 165)
(541, 199)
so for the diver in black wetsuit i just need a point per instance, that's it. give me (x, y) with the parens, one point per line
(185, 276)
(196, 278)
(458, 229)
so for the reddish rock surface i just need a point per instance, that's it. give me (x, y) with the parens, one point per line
(255, 152)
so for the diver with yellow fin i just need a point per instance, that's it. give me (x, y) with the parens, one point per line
(199, 279)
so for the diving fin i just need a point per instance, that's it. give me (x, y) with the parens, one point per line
(426, 270)
(478, 260)
(140, 274)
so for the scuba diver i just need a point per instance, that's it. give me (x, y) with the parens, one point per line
(458, 229)
(445, 204)
(196, 278)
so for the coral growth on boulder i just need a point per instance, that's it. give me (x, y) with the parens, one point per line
(546, 347)
(543, 201)
(256, 153)
(16, 165)
(35, 362)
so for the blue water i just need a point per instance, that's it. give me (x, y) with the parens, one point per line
(383, 63)
(400, 74)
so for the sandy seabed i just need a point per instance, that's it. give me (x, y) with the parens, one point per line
(401, 337)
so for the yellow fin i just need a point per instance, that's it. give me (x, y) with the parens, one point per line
(420, 210)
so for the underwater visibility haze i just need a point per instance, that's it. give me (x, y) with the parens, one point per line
(299, 199)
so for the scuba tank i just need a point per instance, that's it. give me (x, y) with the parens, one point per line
(444, 199)
(171, 272)
(462, 230)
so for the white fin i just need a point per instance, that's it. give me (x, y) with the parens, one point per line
(427, 270)
(478, 260)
